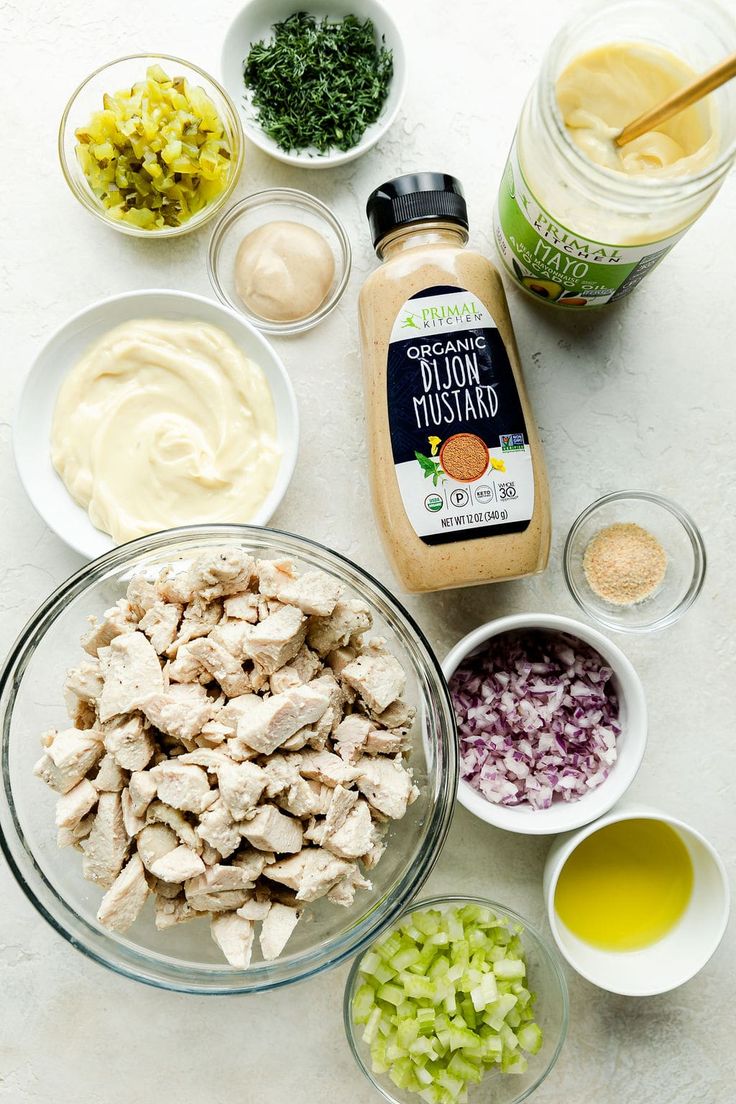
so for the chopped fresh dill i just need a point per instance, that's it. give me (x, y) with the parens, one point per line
(318, 83)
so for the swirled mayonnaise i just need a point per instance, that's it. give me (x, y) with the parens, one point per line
(603, 89)
(163, 424)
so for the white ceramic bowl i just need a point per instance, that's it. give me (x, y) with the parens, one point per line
(254, 22)
(32, 427)
(563, 816)
(672, 960)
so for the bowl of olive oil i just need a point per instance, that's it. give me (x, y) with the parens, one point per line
(637, 901)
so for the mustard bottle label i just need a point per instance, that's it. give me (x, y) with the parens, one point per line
(458, 435)
(555, 263)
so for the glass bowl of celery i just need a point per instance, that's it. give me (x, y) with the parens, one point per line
(461, 1000)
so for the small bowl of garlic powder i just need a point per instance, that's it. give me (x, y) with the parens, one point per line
(634, 561)
(281, 258)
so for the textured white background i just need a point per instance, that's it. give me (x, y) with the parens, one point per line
(640, 397)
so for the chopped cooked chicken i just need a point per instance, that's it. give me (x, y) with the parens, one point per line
(305, 798)
(83, 685)
(396, 715)
(233, 636)
(371, 858)
(351, 735)
(343, 893)
(107, 844)
(181, 711)
(125, 898)
(218, 829)
(303, 668)
(255, 908)
(386, 784)
(268, 722)
(185, 668)
(238, 741)
(131, 673)
(341, 803)
(349, 618)
(281, 772)
(132, 821)
(242, 607)
(354, 837)
(158, 812)
(173, 910)
(275, 641)
(69, 756)
(75, 804)
(218, 889)
(271, 830)
(326, 767)
(338, 660)
(312, 872)
(212, 735)
(154, 841)
(252, 862)
(110, 775)
(72, 837)
(383, 742)
(212, 575)
(224, 668)
(141, 595)
(183, 786)
(209, 758)
(241, 785)
(116, 621)
(313, 592)
(278, 924)
(234, 936)
(160, 624)
(142, 791)
(178, 865)
(379, 679)
(130, 744)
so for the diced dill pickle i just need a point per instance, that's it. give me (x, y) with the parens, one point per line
(155, 154)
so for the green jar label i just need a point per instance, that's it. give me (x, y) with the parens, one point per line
(554, 263)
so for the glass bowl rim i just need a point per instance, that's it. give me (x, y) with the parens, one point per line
(690, 529)
(233, 123)
(331, 952)
(549, 953)
(297, 197)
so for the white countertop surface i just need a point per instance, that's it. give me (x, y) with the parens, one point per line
(642, 397)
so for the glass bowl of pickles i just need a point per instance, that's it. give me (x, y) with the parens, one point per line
(151, 145)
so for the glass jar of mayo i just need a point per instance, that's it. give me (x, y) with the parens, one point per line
(578, 222)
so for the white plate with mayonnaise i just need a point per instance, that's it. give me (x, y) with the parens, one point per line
(151, 410)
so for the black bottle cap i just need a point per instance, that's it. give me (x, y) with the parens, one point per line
(416, 197)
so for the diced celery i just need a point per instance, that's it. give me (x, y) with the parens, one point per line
(363, 1004)
(509, 968)
(530, 1038)
(443, 997)
(391, 993)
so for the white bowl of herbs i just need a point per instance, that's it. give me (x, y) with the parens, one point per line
(315, 87)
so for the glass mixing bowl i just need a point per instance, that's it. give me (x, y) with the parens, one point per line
(123, 73)
(551, 1011)
(185, 958)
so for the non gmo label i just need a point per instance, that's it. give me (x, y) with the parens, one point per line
(458, 435)
(553, 262)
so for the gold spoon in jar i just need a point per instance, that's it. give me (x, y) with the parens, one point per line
(678, 101)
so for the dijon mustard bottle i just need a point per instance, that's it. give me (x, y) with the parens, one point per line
(457, 473)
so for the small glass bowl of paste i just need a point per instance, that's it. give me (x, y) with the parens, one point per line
(634, 561)
(281, 258)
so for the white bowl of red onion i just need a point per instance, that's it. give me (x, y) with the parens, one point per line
(552, 722)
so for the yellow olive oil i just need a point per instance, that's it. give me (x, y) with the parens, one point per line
(625, 886)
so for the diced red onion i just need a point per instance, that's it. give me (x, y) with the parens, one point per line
(537, 719)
